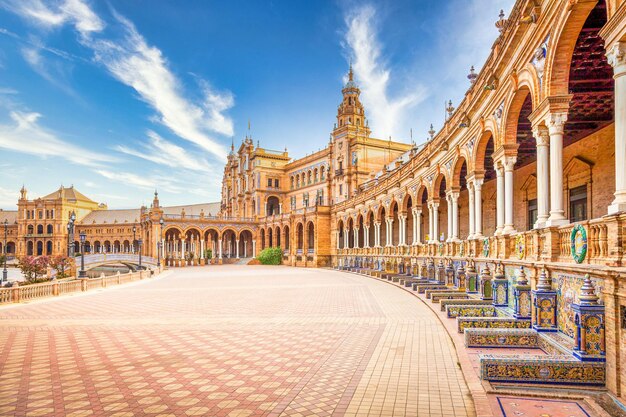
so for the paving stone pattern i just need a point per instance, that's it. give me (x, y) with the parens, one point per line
(231, 341)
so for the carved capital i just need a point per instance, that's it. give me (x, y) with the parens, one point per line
(509, 162)
(541, 135)
(616, 54)
(556, 123)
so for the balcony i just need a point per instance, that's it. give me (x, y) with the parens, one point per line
(339, 172)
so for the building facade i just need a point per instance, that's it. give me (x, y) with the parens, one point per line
(526, 181)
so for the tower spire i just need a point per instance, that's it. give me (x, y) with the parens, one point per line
(350, 73)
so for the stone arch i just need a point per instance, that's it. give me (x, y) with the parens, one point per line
(310, 236)
(300, 236)
(272, 205)
(561, 46)
(512, 113)
(481, 150)
(457, 180)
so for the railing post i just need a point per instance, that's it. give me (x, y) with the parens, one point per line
(55, 288)
(16, 292)
(83, 284)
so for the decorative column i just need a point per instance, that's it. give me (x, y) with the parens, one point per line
(486, 291)
(356, 237)
(556, 125)
(441, 272)
(435, 237)
(544, 305)
(472, 277)
(478, 209)
(543, 176)
(449, 211)
(449, 274)
(237, 249)
(461, 278)
(338, 239)
(417, 226)
(389, 232)
(472, 206)
(500, 287)
(220, 248)
(430, 222)
(499, 198)
(202, 249)
(454, 196)
(346, 238)
(366, 236)
(617, 59)
(589, 343)
(402, 230)
(509, 164)
(253, 248)
(521, 292)
(377, 234)
(424, 270)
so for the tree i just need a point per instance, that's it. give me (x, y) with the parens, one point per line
(60, 263)
(33, 267)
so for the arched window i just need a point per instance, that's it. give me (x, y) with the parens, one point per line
(49, 229)
(31, 229)
(40, 229)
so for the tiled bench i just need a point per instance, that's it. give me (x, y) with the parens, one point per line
(422, 288)
(436, 297)
(491, 323)
(501, 338)
(428, 292)
(463, 310)
(468, 302)
(551, 369)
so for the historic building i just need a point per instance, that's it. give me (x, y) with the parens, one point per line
(515, 209)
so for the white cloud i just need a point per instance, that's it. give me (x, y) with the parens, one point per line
(143, 67)
(373, 75)
(147, 181)
(74, 12)
(8, 198)
(25, 135)
(163, 152)
(54, 72)
(132, 61)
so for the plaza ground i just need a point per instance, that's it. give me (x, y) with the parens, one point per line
(238, 341)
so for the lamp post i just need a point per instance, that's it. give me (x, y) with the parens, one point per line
(139, 242)
(70, 235)
(82, 273)
(134, 230)
(5, 277)
(160, 244)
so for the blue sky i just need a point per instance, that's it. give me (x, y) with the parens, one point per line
(121, 97)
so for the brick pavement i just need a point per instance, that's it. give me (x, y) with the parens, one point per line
(231, 341)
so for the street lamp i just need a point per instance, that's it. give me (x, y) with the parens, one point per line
(82, 273)
(5, 274)
(139, 242)
(160, 244)
(70, 235)
(134, 230)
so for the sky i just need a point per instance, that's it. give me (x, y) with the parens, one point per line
(122, 97)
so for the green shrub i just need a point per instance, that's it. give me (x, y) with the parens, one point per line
(271, 256)
(208, 254)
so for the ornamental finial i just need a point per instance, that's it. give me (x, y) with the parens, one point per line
(587, 292)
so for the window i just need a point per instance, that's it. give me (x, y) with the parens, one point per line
(276, 183)
(578, 203)
(340, 189)
(532, 213)
(269, 182)
(305, 199)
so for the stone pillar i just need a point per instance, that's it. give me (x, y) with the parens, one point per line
(435, 222)
(389, 232)
(543, 176)
(402, 231)
(356, 237)
(253, 248)
(454, 196)
(509, 164)
(499, 198)
(521, 292)
(237, 249)
(338, 239)
(472, 206)
(220, 249)
(544, 305)
(417, 226)
(617, 59)
(478, 208)
(449, 201)
(500, 287)
(430, 222)
(486, 290)
(589, 342)
(377, 234)
(556, 124)
(346, 238)
(202, 249)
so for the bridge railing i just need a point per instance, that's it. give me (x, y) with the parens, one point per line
(54, 288)
(99, 258)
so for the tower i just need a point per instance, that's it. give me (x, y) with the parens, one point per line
(350, 113)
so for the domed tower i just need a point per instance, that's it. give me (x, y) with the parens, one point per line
(350, 113)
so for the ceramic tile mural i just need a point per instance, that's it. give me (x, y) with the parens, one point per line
(567, 287)
(511, 275)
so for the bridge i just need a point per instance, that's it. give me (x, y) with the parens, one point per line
(127, 259)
